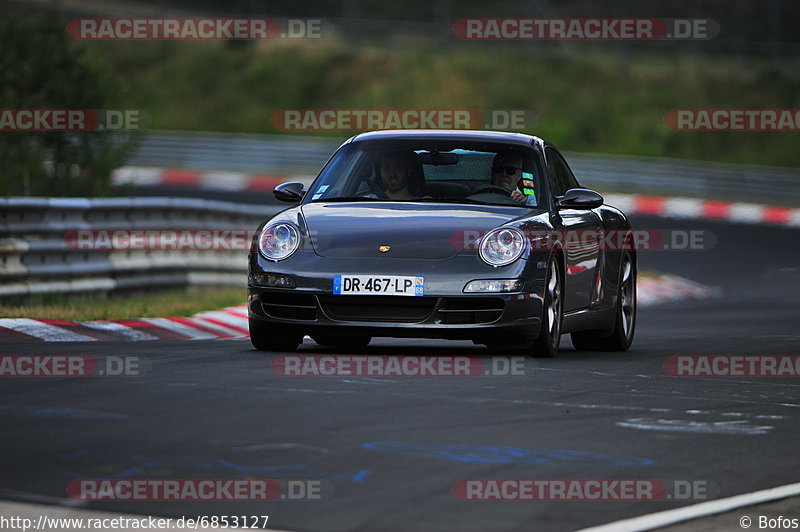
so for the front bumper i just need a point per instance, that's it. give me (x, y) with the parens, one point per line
(443, 312)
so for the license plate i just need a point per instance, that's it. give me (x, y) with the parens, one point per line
(384, 285)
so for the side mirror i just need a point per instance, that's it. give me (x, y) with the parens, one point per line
(289, 192)
(580, 198)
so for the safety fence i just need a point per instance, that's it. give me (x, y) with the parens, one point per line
(79, 245)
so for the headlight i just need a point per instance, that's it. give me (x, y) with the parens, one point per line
(503, 246)
(278, 241)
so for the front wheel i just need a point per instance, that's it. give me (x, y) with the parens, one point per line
(268, 337)
(549, 339)
(621, 336)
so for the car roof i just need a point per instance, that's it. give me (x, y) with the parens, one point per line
(519, 139)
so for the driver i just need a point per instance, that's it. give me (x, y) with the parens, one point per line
(506, 172)
(396, 168)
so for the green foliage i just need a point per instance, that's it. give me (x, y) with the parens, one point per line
(584, 96)
(583, 99)
(40, 68)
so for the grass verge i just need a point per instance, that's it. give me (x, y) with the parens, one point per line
(172, 303)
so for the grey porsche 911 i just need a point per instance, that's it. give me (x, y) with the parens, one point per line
(476, 235)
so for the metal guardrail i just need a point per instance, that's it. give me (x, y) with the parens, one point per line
(37, 256)
(662, 176)
(278, 154)
(282, 154)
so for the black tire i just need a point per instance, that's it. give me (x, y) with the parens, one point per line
(351, 342)
(621, 337)
(549, 339)
(268, 337)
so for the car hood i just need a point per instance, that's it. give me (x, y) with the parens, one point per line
(411, 230)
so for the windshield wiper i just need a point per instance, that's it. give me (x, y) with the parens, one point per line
(450, 200)
(348, 198)
(430, 200)
(468, 201)
(478, 202)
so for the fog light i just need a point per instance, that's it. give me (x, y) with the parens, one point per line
(273, 280)
(495, 285)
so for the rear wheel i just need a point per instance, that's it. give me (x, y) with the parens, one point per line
(621, 336)
(269, 337)
(342, 341)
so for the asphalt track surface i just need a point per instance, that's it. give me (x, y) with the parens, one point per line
(214, 409)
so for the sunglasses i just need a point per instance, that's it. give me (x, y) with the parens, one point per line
(509, 170)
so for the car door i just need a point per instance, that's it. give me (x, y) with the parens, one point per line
(581, 234)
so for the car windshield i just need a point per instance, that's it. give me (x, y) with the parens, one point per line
(428, 171)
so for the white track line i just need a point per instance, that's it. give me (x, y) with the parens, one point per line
(44, 331)
(224, 317)
(128, 333)
(684, 207)
(200, 322)
(695, 511)
(624, 202)
(669, 288)
(741, 427)
(240, 310)
(746, 213)
(230, 181)
(180, 328)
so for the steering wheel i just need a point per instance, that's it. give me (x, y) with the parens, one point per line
(491, 188)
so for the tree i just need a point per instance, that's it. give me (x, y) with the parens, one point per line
(42, 68)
